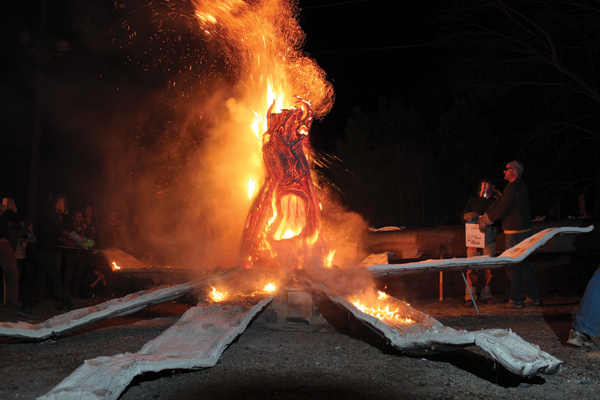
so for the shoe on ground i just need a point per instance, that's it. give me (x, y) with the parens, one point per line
(67, 309)
(580, 339)
(532, 303)
(488, 301)
(513, 306)
(469, 303)
(26, 313)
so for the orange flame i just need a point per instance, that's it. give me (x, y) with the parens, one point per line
(294, 220)
(217, 296)
(265, 39)
(115, 266)
(252, 188)
(329, 259)
(382, 311)
(270, 287)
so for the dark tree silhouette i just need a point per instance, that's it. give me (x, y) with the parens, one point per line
(406, 170)
(532, 65)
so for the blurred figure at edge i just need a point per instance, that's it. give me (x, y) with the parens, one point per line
(586, 326)
(8, 261)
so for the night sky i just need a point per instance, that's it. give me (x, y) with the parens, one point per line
(369, 49)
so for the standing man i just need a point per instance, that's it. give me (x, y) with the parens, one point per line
(512, 209)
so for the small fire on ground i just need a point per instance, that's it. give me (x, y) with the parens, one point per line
(217, 296)
(380, 309)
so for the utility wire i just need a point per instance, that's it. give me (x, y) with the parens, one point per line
(370, 49)
(334, 4)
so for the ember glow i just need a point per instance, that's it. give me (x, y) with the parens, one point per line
(115, 266)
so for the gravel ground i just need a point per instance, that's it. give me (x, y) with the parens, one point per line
(324, 364)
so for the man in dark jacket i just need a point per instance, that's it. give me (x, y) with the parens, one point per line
(513, 210)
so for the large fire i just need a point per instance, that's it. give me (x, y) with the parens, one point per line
(258, 155)
(282, 90)
(286, 209)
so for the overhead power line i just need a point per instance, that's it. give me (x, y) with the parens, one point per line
(334, 4)
(370, 49)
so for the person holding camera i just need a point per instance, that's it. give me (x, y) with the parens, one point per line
(476, 206)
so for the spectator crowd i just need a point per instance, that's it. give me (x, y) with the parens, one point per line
(60, 249)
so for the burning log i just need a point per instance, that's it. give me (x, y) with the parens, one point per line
(82, 317)
(422, 334)
(197, 340)
(125, 264)
(286, 211)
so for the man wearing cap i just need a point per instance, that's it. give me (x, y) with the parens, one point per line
(513, 210)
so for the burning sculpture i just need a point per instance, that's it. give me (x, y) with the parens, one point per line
(285, 214)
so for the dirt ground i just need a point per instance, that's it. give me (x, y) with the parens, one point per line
(323, 363)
